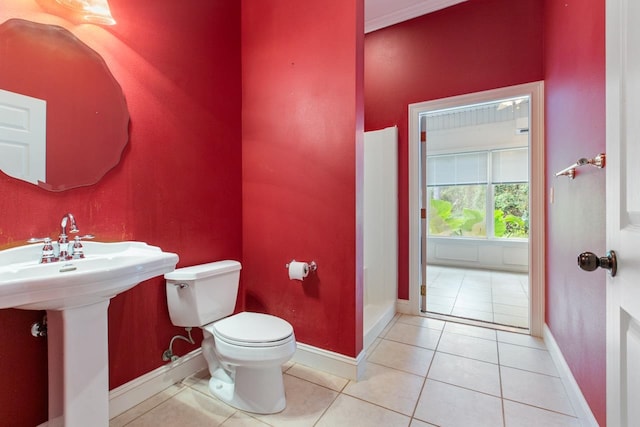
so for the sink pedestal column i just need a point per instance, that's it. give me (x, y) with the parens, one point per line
(78, 358)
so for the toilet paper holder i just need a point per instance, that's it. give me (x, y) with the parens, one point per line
(312, 265)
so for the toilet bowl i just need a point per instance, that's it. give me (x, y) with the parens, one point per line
(245, 351)
(257, 385)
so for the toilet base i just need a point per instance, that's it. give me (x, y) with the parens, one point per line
(257, 390)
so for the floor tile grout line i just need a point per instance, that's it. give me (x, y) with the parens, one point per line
(396, 369)
(423, 327)
(457, 295)
(435, 351)
(484, 393)
(542, 408)
(154, 406)
(422, 389)
(370, 403)
(413, 345)
(328, 406)
(523, 345)
(531, 372)
(504, 415)
(492, 279)
(412, 416)
(470, 336)
(498, 364)
(321, 385)
(426, 376)
(213, 398)
(459, 287)
(467, 357)
(382, 337)
(493, 314)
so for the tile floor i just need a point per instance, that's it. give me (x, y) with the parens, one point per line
(490, 296)
(420, 372)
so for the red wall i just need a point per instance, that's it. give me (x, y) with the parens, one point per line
(181, 184)
(504, 43)
(178, 185)
(575, 128)
(473, 46)
(302, 139)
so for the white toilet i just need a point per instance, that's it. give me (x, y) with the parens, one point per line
(246, 351)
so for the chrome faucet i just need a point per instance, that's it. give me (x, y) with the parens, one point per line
(63, 241)
(66, 250)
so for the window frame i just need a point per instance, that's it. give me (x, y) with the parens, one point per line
(489, 183)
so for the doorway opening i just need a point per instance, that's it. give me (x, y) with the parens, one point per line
(477, 204)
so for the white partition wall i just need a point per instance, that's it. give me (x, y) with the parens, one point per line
(380, 230)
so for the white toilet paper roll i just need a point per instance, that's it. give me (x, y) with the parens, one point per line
(298, 270)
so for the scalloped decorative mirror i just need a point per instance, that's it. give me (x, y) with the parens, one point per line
(64, 121)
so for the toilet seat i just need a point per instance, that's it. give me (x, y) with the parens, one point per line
(248, 329)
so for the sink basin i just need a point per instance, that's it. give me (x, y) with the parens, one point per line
(107, 270)
(76, 295)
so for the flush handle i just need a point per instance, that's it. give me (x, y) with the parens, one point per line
(181, 285)
(588, 261)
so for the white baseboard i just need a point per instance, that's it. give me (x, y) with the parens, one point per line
(328, 361)
(140, 389)
(579, 403)
(403, 307)
(374, 331)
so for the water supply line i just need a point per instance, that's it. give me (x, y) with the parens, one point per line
(168, 355)
(39, 329)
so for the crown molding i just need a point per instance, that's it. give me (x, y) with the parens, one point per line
(418, 9)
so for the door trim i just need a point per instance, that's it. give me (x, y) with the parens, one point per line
(537, 191)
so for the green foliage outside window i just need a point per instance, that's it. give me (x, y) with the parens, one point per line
(460, 211)
(511, 203)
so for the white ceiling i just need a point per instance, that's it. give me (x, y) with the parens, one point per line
(382, 13)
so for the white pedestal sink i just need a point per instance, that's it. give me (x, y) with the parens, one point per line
(76, 296)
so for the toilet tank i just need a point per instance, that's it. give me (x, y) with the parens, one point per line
(201, 294)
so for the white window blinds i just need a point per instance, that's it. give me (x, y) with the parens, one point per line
(510, 166)
(457, 169)
(507, 166)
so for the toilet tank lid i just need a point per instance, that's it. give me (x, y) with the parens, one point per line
(201, 271)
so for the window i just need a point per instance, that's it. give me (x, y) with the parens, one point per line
(466, 189)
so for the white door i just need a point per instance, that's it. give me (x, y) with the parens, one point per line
(23, 129)
(623, 211)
